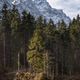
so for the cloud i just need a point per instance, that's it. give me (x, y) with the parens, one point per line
(70, 7)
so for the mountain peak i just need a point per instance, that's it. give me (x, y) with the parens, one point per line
(39, 8)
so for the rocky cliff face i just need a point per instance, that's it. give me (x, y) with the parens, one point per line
(50, 13)
(38, 8)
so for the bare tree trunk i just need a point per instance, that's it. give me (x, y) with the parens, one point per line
(4, 50)
(18, 61)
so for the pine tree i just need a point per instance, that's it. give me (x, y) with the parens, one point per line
(7, 36)
(49, 40)
(15, 22)
(26, 29)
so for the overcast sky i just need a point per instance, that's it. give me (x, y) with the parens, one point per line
(70, 7)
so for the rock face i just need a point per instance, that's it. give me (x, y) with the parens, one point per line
(50, 13)
(39, 8)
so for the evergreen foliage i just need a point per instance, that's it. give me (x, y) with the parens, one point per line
(39, 46)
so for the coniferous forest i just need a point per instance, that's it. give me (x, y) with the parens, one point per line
(36, 49)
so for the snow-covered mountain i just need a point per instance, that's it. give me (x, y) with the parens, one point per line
(39, 8)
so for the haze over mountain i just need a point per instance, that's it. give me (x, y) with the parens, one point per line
(38, 8)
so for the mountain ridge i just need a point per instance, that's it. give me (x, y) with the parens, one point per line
(39, 8)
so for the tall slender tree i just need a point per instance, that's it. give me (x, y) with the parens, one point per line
(7, 36)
